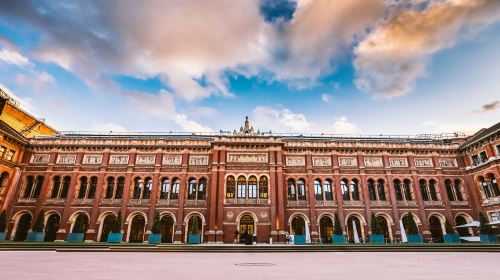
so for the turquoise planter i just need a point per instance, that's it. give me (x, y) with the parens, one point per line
(154, 238)
(377, 239)
(488, 238)
(338, 239)
(75, 237)
(194, 238)
(415, 238)
(35, 236)
(115, 237)
(299, 239)
(451, 238)
(2, 236)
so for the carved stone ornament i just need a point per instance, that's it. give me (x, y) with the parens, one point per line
(322, 161)
(373, 162)
(295, 161)
(172, 160)
(145, 159)
(423, 162)
(198, 160)
(247, 158)
(448, 162)
(398, 162)
(66, 159)
(118, 159)
(40, 158)
(348, 161)
(92, 159)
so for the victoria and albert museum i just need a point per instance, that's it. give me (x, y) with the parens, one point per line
(216, 185)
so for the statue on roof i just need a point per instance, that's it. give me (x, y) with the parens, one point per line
(247, 129)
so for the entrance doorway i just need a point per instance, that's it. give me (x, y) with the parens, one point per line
(436, 229)
(326, 229)
(22, 227)
(52, 228)
(137, 229)
(350, 228)
(384, 226)
(106, 227)
(247, 226)
(167, 229)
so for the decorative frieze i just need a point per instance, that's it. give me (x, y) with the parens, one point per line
(348, 161)
(322, 161)
(373, 162)
(118, 159)
(66, 159)
(92, 159)
(172, 160)
(247, 158)
(423, 162)
(398, 162)
(40, 158)
(295, 161)
(145, 159)
(448, 162)
(198, 160)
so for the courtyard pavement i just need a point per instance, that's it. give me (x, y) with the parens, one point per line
(20, 265)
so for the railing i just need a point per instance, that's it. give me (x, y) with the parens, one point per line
(406, 203)
(459, 203)
(83, 201)
(297, 203)
(379, 203)
(167, 202)
(27, 200)
(139, 202)
(491, 201)
(111, 201)
(193, 202)
(55, 201)
(246, 201)
(433, 203)
(353, 203)
(325, 203)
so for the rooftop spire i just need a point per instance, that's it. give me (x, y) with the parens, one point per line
(247, 129)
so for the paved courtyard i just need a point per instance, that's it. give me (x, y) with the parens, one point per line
(241, 266)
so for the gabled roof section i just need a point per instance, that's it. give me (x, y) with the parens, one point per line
(11, 132)
(480, 135)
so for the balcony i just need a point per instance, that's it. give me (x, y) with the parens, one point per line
(26, 200)
(167, 202)
(139, 202)
(353, 203)
(433, 203)
(111, 202)
(406, 203)
(55, 201)
(459, 203)
(491, 201)
(295, 203)
(83, 201)
(380, 203)
(258, 201)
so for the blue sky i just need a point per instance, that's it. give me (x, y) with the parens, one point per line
(307, 66)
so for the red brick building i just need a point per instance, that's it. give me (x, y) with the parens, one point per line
(268, 184)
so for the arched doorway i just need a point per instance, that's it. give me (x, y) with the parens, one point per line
(137, 229)
(460, 220)
(436, 229)
(167, 229)
(247, 228)
(194, 229)
(298, 230)
(350, 229)
(52, 227)
(23, 225)
(326, 229)
(107, 223)
(384, 225)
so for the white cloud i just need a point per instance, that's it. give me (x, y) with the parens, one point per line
(326, 98)
(438, 126)
(13, 57)
(25, 103)
(108, 126)
(392, 57)
(36, 79)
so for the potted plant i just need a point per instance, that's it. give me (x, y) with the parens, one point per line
(36, 234)
(412, 230)
(194, 236)
(486, 233)
(78, 232)
(155, 236)
(377, 236)
(3, 225)
(451, 236)
(116, 235)
(338, 235)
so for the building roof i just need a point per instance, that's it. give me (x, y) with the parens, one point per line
(481, 134)
(4, 127)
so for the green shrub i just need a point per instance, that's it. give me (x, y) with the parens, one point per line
(376, 229)
(117, 225)
(337, 228)
(484, 227)
(39, 222)
(156, 224)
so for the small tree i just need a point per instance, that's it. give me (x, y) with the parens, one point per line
(484, 227)
(194, 227)
(410, 224)
(3, 221)
(376, 229)
(39, 222)
(337, 228)
(156, 224)
(449, 229)
(117, 224)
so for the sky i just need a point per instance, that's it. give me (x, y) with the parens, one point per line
(293, 66)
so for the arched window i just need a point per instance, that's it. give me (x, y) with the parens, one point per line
(328, 190)
(432, 190)
(165, 188)
(407, 190)
(148, 186)
(202, 189)
(56, 184)
(30, 182)
(110, 188)
(83, 187)
(318, 190)
(230, 187)
(252, 187)
(354, 188)
(458, 190)
(292, 190)
(137, 188)
(398, 190)
(242, 187)
(424, 190)
(449, 190)
(175, 189)
(381, 190)
(490, 186)
(371, 190)
(263, 187)
(120, 186)
(301, 189)
(345, 190)
(193, 185)
(92, 187)
(65, 187)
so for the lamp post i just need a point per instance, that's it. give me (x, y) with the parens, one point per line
(215, 234)
(278, 233)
